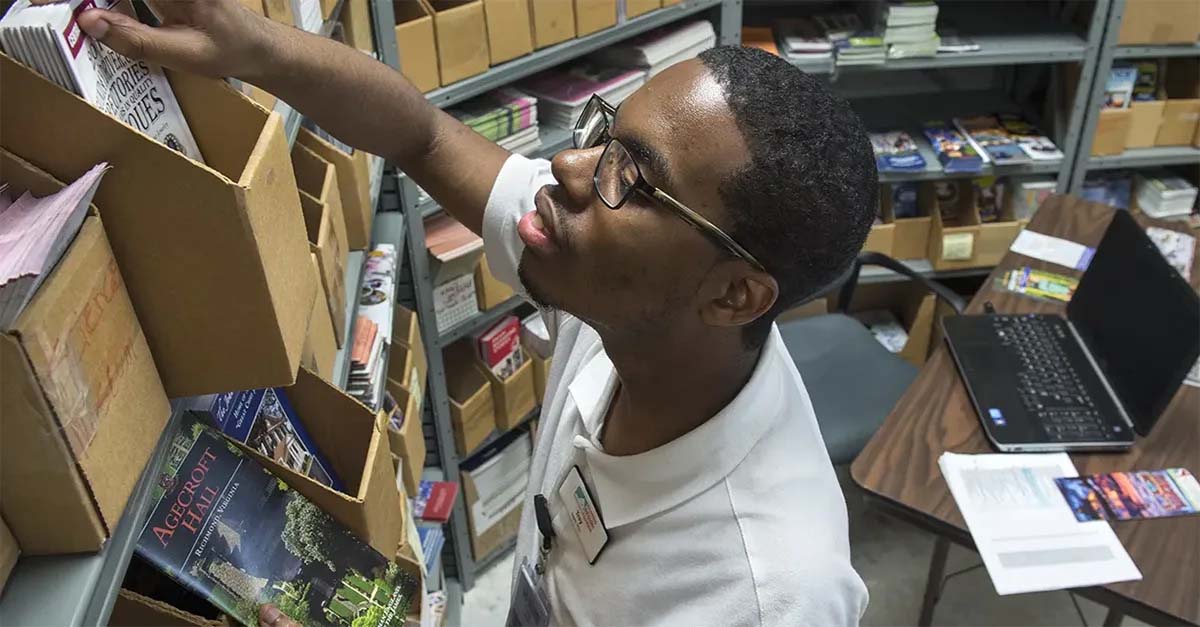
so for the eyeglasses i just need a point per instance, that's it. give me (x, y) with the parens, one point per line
(618, 176)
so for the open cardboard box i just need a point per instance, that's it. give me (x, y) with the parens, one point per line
(883, 235)
(634, 8)
(214, 256)
(1160, 22)
(1112, 132)
(81, 403)
(509, 29)
(406, 334)
(553, 21)
(1181, 114)
(912, 305)
(354, 440)
(514, 397)
(911, 235)
(462, 38)
(356, 24)
(280, 11)
(1145, 118)
(484, 541)
(952, 241)
(354, 181)
(323, 220)
(594, 15)
(472, 408)
(417, 44)
(320, 345)
(997, 236)
(541, 373)
(138, 610)
(408, 442)
(9, 553)
(493, 488)
(490, 291)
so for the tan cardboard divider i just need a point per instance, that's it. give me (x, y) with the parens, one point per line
(406, 334)
(1181, 114)
(911, 239)
(489, 290)
(354, 181)
(634, 8)
(953, 246)
(1160, 22)
(996, 237)
(553, 21)
(513, 397)
(320, 345)
(911, 303)
(462, 38)
(472, 407)
(594, 15)
(484, 541)
(321, 202)
(280, 11)
(356, 23)
(1112, 130)
(541, 374)
(417, 44)
(354, 440)
(1145, 118)
(408, 442)
(882, 237)
(136, 610)
(214, 255)
(510, 32)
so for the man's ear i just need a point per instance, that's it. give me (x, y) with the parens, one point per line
(737, 295)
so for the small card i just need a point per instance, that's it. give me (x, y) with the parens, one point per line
(1132, 495)
(577, 500)
(1053, 249)
(958, 246)
(1039, 284)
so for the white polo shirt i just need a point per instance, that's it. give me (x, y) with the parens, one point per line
(738, 522)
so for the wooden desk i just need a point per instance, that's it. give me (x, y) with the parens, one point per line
(899, 464)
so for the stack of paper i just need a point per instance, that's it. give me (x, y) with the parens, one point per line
(373, 327)
(562, 94)
(506, 116)
(47, 38)
(660, 49)
(803, 40)
(34, 234)
(1161, 194)
(910, 29)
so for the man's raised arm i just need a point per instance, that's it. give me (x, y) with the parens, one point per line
(359, 100)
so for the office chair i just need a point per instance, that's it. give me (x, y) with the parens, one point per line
(853, 381)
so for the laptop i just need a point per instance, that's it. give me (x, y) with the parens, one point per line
(1099, 376)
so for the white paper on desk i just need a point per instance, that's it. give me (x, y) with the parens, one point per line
(1053, 249)
(1023, 528)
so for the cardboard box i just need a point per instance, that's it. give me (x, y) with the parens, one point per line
(355, 441)
(509, 29)
(1181, 115)
(408, 368)
(9, 552)
(472, 408)
(490, 291)
(493, 487)
(634, 8)
(417, 44)
(327, 7)
(214, 256)
(136, 610)
(462, 38)
(594, 15)
(514, 397)
(320, 345)
(953, 245)
(1145, 118)
(280, 11)
(912, 305)
(322, 206)
(1160, 22)
(408, 442)
(882, 237)
(541, 374)
(82, 403)
(492, 538)
(553, 21)
(356, 24)
(1112, 129)
(911, 238)
(406, 333)
(354, 181)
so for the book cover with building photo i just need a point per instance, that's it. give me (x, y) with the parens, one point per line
(230, 531)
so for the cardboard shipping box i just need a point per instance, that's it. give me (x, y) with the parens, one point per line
(634, 8)
(407, 442)
(509, 29)
(214, 256)
(1181, 114)
(490, 290)
(1160, 22)
(594, 15)
(417, 44)
(462, 38)
(910, 303)
(321, 202)
(1112, 131)
(354, 181)
(553, 21)
(320, 345)
(472, 408)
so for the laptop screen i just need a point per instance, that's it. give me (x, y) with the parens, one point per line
(1139, 319)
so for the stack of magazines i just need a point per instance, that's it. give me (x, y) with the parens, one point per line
(34, 235)
(954, 152)
(803, 40)
(910, 29)
(506, 116)
(660, 49)
(373, 326)
(47, 38)
(562, 93)
(896, 151)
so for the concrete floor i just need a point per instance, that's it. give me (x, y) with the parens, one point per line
(892, 556)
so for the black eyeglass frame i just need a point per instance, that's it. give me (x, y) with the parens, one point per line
(641, 185)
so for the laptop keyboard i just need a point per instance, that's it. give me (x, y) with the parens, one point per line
(1048, 385)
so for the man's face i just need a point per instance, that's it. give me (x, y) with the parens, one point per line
(639, 266)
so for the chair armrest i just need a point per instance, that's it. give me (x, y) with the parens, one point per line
(869, 258)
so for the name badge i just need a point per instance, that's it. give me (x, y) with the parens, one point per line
(579, 505)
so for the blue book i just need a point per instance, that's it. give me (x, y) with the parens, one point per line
(954, 152)
(432, 541)
(896, 150)
(265, 421)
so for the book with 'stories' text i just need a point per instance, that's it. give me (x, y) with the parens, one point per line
(240, 537)
(48, 38)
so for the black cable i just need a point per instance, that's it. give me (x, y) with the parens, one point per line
(956, 573)
(1078, 610)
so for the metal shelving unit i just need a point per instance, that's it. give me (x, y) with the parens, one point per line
(1155, 52)
(994, 50)
(1146, 158)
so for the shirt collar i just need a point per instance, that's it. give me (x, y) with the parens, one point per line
(630, 488)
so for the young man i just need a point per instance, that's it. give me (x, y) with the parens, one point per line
(661, 249)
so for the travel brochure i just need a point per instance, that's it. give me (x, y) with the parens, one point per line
(1132, 495)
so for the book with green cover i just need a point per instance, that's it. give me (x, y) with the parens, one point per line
(499, 113)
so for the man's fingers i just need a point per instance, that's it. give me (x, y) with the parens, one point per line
(177, 47)
(270, 616)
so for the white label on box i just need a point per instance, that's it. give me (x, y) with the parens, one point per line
(415, 391)
(958, 246)
(454, 301)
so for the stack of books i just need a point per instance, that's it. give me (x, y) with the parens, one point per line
(48, 39)
(660, 49)
(991, 140)
(34, 235)
(1036, 146)
(896, 151)
(852, 43)
(910, 29)
(953, 150)
(1161, 194)
(506, 116)
(804, 40)
(434, 501)
(499, 347)
(562, 93)
(373, 326)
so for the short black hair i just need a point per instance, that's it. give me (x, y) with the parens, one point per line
(805, 202)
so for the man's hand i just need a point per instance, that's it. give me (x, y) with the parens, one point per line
(270, 616)
(216, 38)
